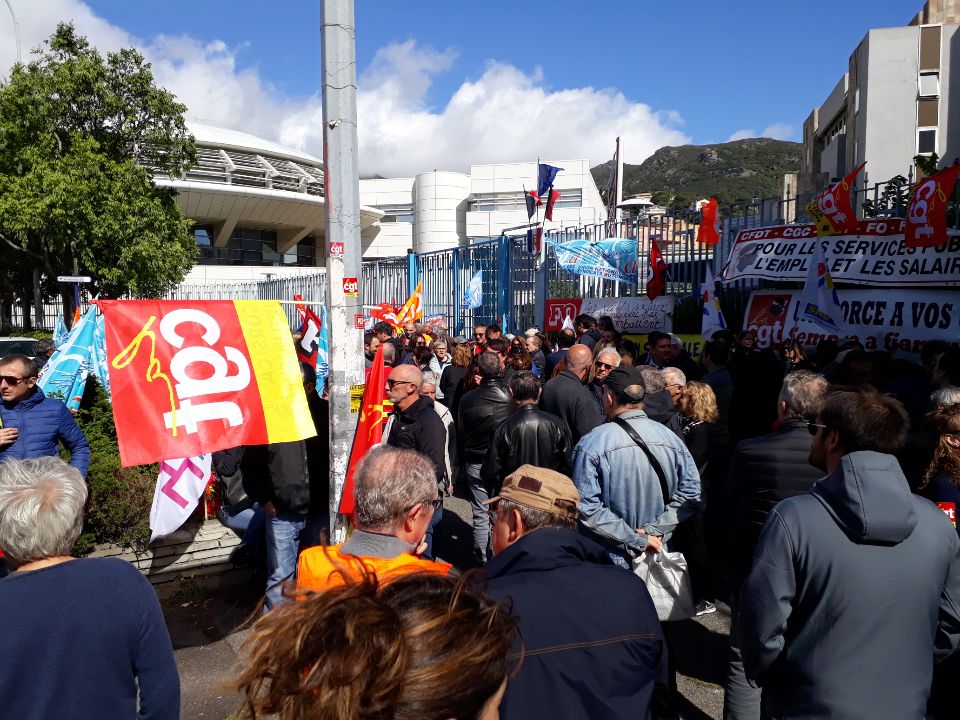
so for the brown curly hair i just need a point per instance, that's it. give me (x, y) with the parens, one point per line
(421, 647)
(946, 458)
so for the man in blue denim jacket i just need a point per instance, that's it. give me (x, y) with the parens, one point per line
(621, 503)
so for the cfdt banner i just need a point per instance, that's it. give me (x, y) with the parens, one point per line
(875, 253)
(192, 377)
(629, 314)
(900, 321)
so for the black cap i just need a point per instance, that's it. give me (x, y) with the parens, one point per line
(621, 378)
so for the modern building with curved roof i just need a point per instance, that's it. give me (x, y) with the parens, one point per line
(258, 206)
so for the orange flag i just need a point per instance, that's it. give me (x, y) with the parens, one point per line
(832, 210)
(374, 409)
(709, 231)
(412, 310)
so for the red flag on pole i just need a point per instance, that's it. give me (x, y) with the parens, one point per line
(832, 211)
(656, 272)
(926, 224)
(374, 409)
(709, 231)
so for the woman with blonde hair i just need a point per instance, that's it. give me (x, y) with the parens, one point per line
(698, 409)
(421, 647)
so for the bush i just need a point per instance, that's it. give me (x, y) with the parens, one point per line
(118, 510)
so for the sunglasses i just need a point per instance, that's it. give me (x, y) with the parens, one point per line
(605, 366)
(13, 380)
(812, 427)
(391, 383)
(478, 335)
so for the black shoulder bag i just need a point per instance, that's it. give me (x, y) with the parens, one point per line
(654, 463)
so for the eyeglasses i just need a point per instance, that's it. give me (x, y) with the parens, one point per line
(478, 335)
(391, 383)
(13, 380)
(812, 427)
(605, 366)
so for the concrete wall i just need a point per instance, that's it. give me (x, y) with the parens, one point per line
(387, 239)
(440, 201)
(950, 93)
(242, 273)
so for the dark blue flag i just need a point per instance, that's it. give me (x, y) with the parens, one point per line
(531, 200)
(545, 177)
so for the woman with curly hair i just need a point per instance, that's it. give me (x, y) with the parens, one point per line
(698, 408)
(941, 484)
(421, 647)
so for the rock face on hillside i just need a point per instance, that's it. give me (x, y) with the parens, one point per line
(731, 172)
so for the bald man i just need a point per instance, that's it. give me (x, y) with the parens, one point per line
(568, 398)
(415, 425)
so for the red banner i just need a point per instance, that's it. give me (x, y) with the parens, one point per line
(192, 377)
(656, 272)
(709, 231)
(926, 224)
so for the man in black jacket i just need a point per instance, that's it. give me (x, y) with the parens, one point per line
(580, 616)
(478, 415)
(569, 399)
(528, 436)
(415, 425)
(764, 471)
(658, 402)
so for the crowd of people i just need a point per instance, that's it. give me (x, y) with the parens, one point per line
(812, 494)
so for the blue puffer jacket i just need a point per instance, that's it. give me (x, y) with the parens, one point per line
(43, 423)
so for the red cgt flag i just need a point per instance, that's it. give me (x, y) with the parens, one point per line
(309, 334)
(926, 224)
(374, 409)
(709, 231)
(832, 211)
(656, 272)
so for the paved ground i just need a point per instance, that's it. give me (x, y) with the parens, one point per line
(207, 630)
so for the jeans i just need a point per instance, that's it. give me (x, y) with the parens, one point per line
(248, 524)
(283, 545)
(741, 700)
(479, 494)
(434, 521)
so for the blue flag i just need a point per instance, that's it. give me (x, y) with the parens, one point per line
(545, 178)
(323, 348)
(65, 374)
(473, 297)
(610, 258)
(60, 331)
(100, 366)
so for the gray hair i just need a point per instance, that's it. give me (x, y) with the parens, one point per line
(653, 381)
(389, 352)
(612, 352)
(41, 508)
(678, 376)
(429, 376)
(535, 519)
(947, 395)
(388, 482)
(803, 392)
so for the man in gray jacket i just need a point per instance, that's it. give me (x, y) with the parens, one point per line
(855, 586)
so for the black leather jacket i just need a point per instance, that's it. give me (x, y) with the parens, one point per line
(480, 411)
(528, 436)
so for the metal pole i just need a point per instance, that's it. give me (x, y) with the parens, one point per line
(342, 210)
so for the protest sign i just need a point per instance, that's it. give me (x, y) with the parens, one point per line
(630, 314)
(899, 320)
(610, 258)
(192, 377)
(875, 253)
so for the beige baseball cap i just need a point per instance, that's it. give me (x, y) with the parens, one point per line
(540, 489)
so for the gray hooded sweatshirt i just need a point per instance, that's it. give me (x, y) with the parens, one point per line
(853, 593)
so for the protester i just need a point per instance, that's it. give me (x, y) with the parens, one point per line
(606, 360)
(317, 529)
(452, 376)
(396, 496)
(568, 398)
(660, 351)
(481, 411)
(45, 348)
(698, 414)
(534, 345)
(501, 347)
(415, 425)
(658, 401)
(674, 380)
(855, 585)
(424, 647)
(681, 359)
(32, 424)
(370, 344)
(82, 638)
(756, 375)
(528, 436)
(237, 510)
(493, 332)
(947, 370)
(429, 390)
(714, 358)
(479, 337)
(566, 339)
(384, 332)
(440, 361)
(945, 397)
(585, 327)
(591, 640)
(764, 471)
(942, 479)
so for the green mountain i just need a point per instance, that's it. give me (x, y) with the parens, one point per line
(731, 172)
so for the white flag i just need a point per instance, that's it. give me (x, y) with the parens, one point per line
(180, 486)
(473, 297)
(567, 323)
(819, 303)
(712, 320)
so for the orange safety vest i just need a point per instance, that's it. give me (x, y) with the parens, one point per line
(321, 568)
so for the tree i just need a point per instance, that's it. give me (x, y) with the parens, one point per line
(80, 140)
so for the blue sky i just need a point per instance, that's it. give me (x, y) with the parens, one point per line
(553, 78)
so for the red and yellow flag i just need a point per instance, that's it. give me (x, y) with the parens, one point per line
(412, 310)
(926, 224)
(374, 409)
(832, 211)
(192, 377)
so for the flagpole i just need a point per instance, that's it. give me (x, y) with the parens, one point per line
(618, 213)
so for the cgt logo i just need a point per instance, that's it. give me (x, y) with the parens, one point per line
(351, 288)
(557, 310)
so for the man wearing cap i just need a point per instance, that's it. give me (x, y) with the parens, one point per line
(605, 631)
(621, 501)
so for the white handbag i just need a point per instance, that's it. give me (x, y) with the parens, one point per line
(668, 582)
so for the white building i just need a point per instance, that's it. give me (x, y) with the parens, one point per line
(438, 209)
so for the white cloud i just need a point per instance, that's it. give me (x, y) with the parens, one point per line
(503, 115)
(777, 131)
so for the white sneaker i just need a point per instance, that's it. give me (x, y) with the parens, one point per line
(705, 607)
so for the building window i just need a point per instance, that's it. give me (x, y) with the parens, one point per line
(570, 198)
(397, 213)
(203, 234)
(928, 113)
(930, 47)
(926, 141)
(929, 83)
